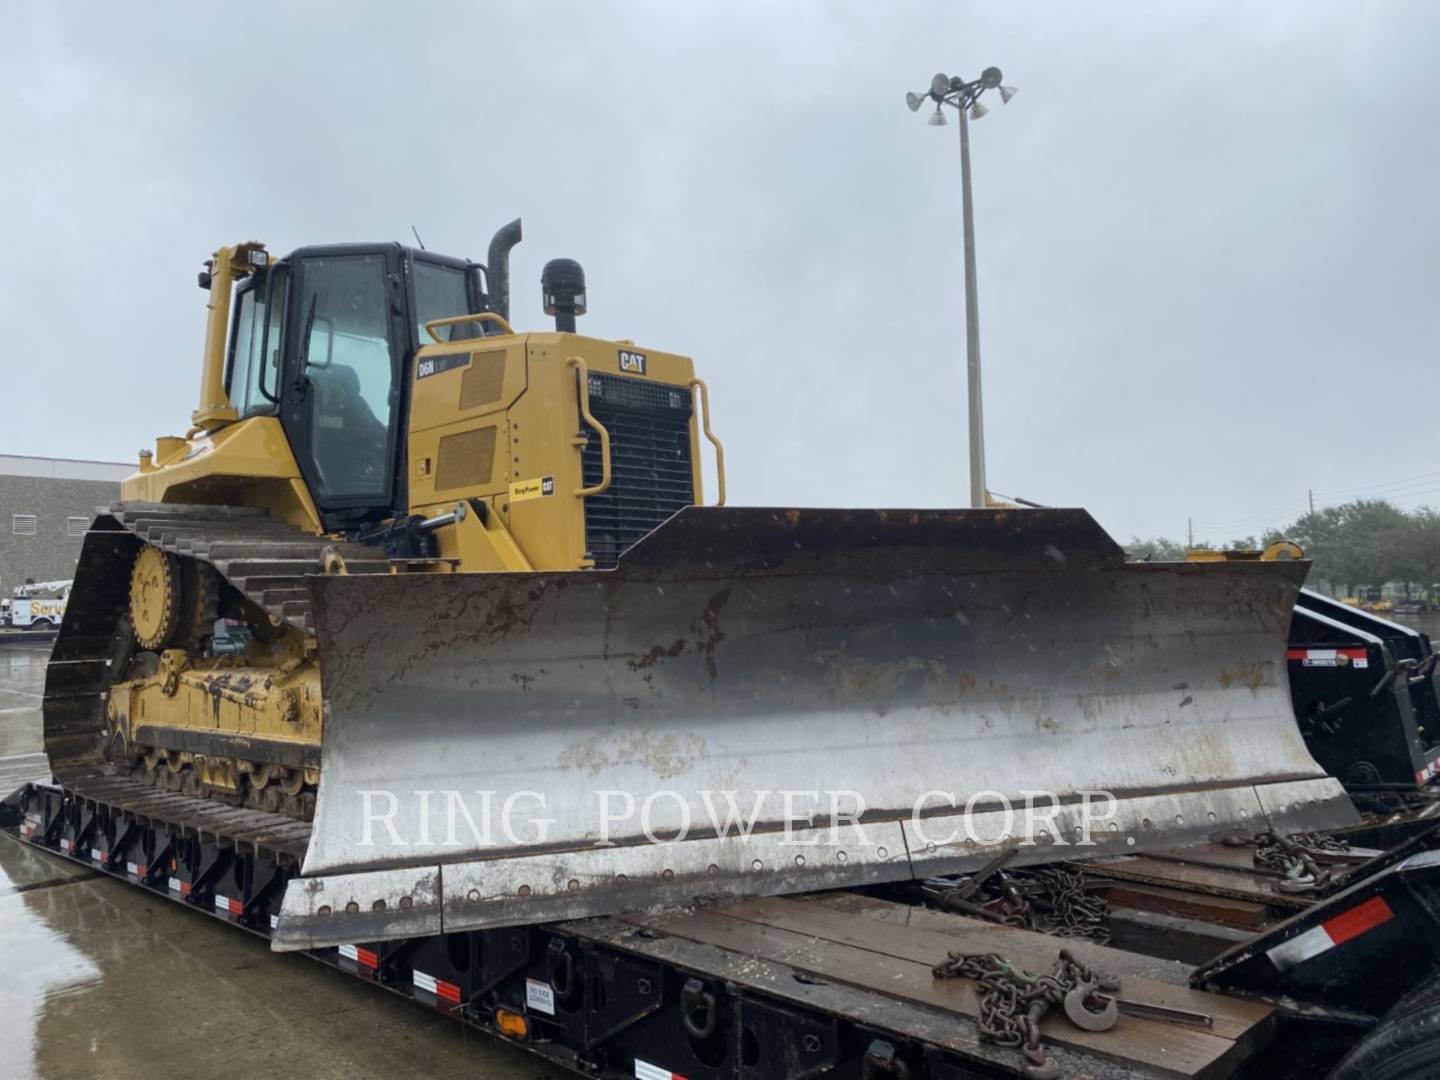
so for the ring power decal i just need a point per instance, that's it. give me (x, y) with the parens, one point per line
(539, 488)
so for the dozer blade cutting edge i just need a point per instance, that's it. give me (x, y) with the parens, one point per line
(910, 658)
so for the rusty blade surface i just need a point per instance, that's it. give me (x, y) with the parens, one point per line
(899, 658)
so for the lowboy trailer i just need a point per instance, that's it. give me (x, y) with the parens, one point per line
(1336, 977)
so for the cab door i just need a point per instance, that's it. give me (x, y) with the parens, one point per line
(342, 401)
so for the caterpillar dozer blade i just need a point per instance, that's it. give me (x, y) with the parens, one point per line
(763, 701)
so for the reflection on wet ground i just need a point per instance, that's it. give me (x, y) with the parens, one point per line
(22, 682)
(103, 980)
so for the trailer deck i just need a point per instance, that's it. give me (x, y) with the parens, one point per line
(821, 981)
(843, 983)
(802, 949)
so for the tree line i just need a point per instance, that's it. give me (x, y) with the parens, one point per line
(1366, 543)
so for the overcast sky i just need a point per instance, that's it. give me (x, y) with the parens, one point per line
(1207, 232)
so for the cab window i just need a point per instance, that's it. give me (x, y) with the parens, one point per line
(441, 291)
(269, 372)
(255, 344)
(346, 358)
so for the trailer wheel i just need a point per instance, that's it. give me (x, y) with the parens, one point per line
(1401, 1048)
(1425, 996)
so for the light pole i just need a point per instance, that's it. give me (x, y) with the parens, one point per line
(964, 97)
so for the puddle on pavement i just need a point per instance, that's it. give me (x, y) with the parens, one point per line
(22, 869)
(40, 964)
(22, 682)
(102, 979)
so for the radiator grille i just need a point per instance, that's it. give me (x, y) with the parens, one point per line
(650, 477)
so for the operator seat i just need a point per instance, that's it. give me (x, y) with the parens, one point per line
(348, 442)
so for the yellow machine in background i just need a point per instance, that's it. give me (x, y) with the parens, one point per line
(1279, 551)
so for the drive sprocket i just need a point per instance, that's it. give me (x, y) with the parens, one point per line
(155, 597)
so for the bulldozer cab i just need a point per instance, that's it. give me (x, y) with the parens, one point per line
(322, 339)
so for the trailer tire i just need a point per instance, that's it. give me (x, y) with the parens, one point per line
(1424, 996)
(1401, 1048)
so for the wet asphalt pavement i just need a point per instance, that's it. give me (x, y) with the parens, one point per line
(99, 979)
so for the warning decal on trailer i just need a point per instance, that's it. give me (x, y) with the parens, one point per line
(539, 997)
(1333, 931)
(1329, 657)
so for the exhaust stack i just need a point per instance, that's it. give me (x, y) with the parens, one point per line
(498, 267)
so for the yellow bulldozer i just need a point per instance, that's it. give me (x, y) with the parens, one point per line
(474, 464)
(501, 663)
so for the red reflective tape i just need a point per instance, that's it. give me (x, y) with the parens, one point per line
(184, 888)
(449, 991)
(237, 908)
(645, 1071)
(1324, 654)
(366, 957)
(1360, 918)
(141, 869)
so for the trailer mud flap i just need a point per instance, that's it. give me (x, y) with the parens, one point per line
(765, 701)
